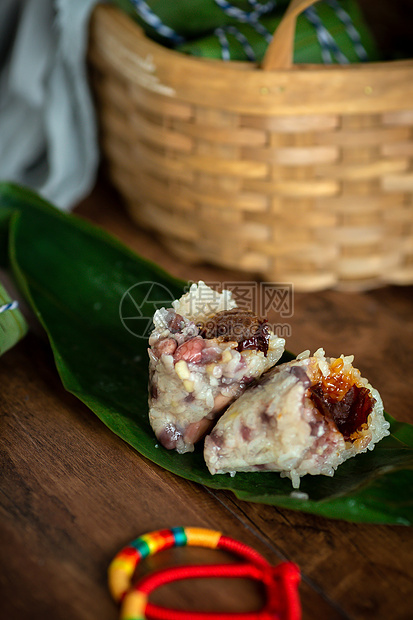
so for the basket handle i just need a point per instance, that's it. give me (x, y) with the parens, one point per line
(280, 52)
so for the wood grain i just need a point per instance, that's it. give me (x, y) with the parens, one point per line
(73, 493)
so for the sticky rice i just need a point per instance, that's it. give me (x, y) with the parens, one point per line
(304, 417)
(203, 353)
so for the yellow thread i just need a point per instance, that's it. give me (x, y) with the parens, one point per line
(119, 583)
(153, 543)
(201, 537)
(160, 541)
(125, 565)
(133, 605)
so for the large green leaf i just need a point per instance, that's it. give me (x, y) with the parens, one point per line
(75, 276)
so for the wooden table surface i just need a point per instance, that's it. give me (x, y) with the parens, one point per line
(73, 493)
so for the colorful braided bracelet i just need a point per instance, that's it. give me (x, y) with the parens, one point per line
(280, 582)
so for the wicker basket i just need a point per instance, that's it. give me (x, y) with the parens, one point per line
(298, 174)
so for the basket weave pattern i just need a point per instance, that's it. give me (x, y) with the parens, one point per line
(314, 189)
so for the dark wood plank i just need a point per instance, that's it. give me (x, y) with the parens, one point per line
(359, 566)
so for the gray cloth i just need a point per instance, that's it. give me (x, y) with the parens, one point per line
(48, 137)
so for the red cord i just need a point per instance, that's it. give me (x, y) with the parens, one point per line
(238, 548)
(280, 583)
(153, 612)
(197, 571)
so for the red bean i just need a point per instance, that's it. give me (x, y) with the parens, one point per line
(164, 347)
(190, 351)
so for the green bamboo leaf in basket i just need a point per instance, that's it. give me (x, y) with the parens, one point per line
(307, 47)
(75, 276)
(186, 18)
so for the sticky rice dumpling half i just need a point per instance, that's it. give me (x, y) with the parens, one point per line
(304, 417)
(203, 353)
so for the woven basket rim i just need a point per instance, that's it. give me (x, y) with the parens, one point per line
(370, 87)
